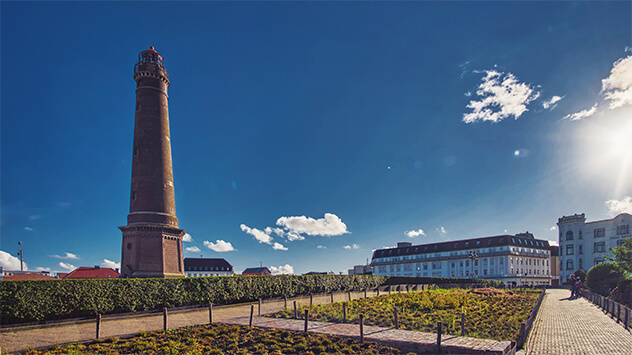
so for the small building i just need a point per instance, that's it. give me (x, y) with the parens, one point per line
(201, 267)
(361, 270)
(257, 271)
(96, 272)
(9, 275)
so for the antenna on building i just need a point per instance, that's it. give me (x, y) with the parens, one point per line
(261, 264)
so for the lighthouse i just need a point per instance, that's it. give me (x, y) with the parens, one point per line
(152, 240)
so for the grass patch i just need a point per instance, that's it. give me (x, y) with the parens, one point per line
(490, 313)
(223, 339)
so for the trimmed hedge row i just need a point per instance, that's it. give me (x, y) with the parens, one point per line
(33, 301)
(400, 280)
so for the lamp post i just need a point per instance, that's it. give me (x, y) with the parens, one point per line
(21, 254)
(472, 257)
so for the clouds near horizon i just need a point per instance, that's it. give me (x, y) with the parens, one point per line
(68, 267)
(10, 262)
(68, 256)
(329, 225)
(111, 264)
(616, 207)
(413, 234)
(286, 269)
(219, 246)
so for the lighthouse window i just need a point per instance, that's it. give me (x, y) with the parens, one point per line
(134, 195)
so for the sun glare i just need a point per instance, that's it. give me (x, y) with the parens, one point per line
(605, 147)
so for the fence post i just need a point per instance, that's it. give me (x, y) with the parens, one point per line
(295, 311)
(361, 328)
(252, 311)
(344, 313)
(311, 299)
(389, 289)
(259, 309)
(98, 325)
(164, 319)
(439, 326)
(378, 290)
(396, 320)
(523, 334)
(285, 301)
(349, 294)
(618, 312)
(462, 324)
(210, 313)
(365, 293)
(306, 319)
(332, 296)
(627, 317)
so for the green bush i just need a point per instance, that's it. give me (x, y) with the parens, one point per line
(31, 301)
(604, 277)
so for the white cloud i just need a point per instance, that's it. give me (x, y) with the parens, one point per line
(219, 246)
(187, 238)
(552, 103)
(110, 264)
(554, 228)
(192, 249)
(28, 229)
(10, 262)
(39, 268)
(520, 153)
(259, 235)
(321, 247)
(330, 225)
(442, 230)
(69, 256)
(278, 246)
(554, 243)
(617, 87)
(282, 270)
(68, 267)
(619, 206)
(581, 114)
(354, 246)
(413, 234)
(501, 96)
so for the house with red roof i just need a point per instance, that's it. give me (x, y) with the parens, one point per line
(97, 272)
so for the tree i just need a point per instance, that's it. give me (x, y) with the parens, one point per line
(623, 255)
(604, 277)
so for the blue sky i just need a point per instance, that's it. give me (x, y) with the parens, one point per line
(307, 134)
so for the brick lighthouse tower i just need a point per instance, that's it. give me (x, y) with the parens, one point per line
(152, 241)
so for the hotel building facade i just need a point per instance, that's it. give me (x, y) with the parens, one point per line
(515, 259)
(585, 244)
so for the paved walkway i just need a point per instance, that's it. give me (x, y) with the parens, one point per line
(566, 326)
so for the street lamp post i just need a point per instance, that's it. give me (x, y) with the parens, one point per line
(21, 254)
(472, 257)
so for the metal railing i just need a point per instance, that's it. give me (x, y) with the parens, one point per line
(617, 311)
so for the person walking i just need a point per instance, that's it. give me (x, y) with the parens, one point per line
(572, 279)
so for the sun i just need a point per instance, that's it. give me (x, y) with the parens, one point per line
(604, 147)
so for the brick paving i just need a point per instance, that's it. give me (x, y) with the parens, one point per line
(566, 326)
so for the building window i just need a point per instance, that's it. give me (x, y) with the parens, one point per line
(569, 235)
(600, 247)
(624, 229)
(600, 232)
(569, 249)
(621, 241)
(599, 261)
(580, 235)
(569, 264)
(581, 264)
(580, 249)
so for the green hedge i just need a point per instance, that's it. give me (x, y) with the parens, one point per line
(400, 280)
(33, 301)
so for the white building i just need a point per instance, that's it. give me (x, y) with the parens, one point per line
(360, 270)
(584, 244)
(519, 259)
(198, 267)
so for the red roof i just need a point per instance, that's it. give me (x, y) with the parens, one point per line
(27, 277)
(96, 272)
